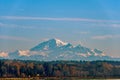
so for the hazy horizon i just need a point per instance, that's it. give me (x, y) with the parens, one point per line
(92, 23)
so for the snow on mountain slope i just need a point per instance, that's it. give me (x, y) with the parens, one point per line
(47, 45)
(59, 42)
(55, 49)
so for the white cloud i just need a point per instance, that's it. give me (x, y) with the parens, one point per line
(83, 32)
(103, 37)
(55, 19)
(91, 22)
(24, 52)
(3, 54)
(14, 38)
(115, 25)
(1, 24)
(16, 26)
(6, 25)
(112, 25)
(29, 53)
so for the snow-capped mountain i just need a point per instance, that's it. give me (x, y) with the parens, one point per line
(49, 45)
(55, 49)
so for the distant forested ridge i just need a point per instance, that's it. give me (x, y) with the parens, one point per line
(83, 69)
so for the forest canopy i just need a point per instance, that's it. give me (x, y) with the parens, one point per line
(83, 69)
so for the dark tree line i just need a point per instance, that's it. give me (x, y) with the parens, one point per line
(83, 69)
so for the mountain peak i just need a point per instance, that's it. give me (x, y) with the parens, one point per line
(58, 42)
(49, 44)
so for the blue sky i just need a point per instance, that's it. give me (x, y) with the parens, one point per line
(93, 23)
